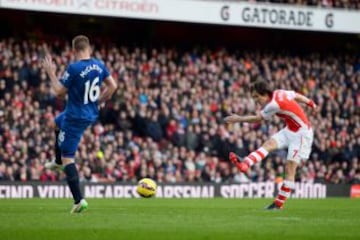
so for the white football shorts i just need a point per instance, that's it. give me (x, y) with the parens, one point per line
(298, 143)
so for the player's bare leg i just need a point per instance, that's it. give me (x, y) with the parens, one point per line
(244, 164)
(287, 186)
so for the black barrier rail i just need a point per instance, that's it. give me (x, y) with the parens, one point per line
(128, 190)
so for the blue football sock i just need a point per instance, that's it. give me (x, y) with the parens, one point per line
(72, 178)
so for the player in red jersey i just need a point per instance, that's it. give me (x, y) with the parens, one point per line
(297, 136)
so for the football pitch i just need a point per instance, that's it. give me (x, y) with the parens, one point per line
(180, 219)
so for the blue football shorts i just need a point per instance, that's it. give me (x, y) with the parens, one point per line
(70, 134)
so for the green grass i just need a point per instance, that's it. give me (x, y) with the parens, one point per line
(180, 219)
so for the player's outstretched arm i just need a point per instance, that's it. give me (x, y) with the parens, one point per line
(302, 99)
(234, 118)
(110, 87)
(50, 69)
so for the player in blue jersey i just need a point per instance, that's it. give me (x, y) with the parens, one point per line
(81, 82)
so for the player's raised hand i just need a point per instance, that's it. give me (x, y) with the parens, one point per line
(232, 119)
(315, 109)
(48, 64)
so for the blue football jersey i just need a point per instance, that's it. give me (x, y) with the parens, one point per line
(83, 80)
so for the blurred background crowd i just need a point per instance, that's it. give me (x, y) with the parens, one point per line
(165, 120)
(345, 4)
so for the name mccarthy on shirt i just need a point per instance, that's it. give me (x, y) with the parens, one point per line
(93, 67)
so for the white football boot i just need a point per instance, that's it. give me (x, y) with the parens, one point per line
(52, 165)
(81, 206)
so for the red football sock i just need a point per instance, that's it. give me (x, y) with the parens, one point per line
(256, 156)
(284, 193)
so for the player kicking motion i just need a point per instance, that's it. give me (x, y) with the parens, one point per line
(81, 82)
(297, 136)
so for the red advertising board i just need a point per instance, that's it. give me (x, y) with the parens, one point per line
(355, 191)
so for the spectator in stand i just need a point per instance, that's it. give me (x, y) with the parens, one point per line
(347, 4)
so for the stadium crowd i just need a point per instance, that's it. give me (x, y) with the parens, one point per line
(347, 4)
(165, 120)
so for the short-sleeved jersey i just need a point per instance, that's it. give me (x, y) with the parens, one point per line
(283, 104)
(83, 80)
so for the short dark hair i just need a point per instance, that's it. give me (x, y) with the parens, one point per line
(80, 43)
(261, 87)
